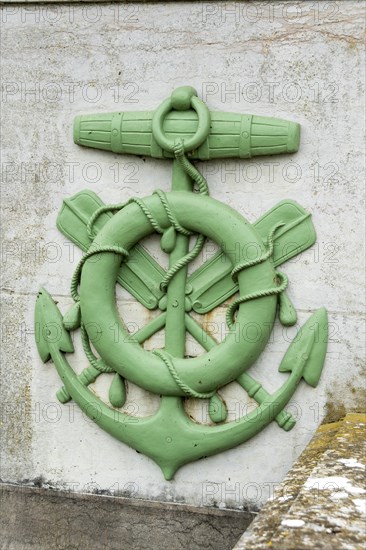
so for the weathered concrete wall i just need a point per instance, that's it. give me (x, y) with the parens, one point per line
(299, 61)
(43, 519)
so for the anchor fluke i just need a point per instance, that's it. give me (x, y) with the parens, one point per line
(49, 327)
(309, 346)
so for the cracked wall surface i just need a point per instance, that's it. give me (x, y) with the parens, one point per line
(299, 61)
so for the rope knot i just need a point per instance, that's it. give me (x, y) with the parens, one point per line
(178, 149)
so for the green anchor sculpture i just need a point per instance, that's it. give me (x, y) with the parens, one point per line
(182, 128)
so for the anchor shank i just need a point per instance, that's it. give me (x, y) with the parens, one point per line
(175, 331)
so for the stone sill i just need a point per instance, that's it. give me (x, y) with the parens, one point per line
(321, 502)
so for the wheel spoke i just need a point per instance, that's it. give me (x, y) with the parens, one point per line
(150, 329)
(196, 330)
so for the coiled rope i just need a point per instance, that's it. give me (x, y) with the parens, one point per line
(183, 386)
(261, 293)
(98, 364)
(191, 170)
(91, 252)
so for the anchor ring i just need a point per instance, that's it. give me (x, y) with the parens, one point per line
(182, 99)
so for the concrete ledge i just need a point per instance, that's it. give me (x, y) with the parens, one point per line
(321, 502)
(46, 519)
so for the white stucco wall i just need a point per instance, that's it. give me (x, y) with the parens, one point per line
(296, 60)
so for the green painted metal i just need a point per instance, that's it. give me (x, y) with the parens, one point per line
(231, 135)
(228, 135)
(141, 275)
(181, 128)
(211, 284)
(117, 391)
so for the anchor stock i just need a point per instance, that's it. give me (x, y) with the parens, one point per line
(231, 135)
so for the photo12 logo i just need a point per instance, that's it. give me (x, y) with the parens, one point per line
(68, 92)
(70, 13)
(271, 92)
(220, 13)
